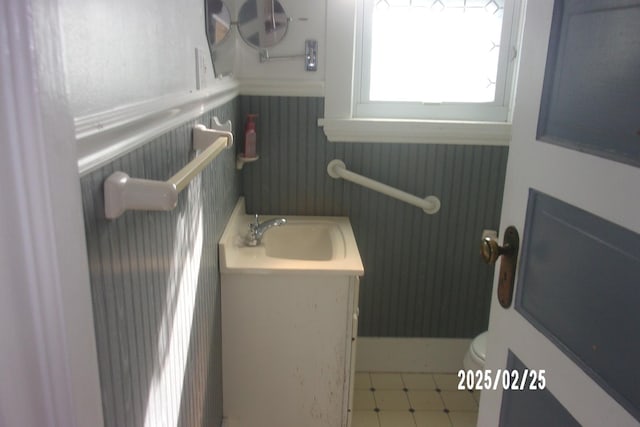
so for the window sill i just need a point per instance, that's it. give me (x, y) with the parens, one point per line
(416, 131)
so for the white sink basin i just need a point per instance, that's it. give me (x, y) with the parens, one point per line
(305, 239)
(304, 243)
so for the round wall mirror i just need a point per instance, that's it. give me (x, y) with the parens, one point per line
(218, 22)
(262, 23)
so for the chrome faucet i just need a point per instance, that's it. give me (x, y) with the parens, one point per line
(257, 229)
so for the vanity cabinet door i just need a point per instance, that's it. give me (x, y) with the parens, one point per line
(353, 337)
(288, 349)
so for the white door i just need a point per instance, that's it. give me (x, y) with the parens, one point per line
(606, 195)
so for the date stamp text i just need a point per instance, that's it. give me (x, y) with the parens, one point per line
(504, 379)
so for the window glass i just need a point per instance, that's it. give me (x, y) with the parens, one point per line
(418, 55)
(446, 51)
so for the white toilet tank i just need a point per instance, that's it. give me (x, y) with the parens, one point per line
(477, 353)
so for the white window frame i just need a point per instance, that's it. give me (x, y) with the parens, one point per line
(344, 119)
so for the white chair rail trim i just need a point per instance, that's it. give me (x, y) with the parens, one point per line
(106, 135)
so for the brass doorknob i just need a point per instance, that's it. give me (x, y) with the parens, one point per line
(491, 250)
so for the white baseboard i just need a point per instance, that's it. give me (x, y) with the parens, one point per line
(410, 354)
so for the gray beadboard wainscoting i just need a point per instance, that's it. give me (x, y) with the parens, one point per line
(423, 274)
(155, 287)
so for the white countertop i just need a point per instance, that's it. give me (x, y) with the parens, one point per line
(237, 257)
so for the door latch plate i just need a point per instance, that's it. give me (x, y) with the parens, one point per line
(506, 280)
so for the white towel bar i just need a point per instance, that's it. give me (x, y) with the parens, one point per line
(122, 193)
(337, 169)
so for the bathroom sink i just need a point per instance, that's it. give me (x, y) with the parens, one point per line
(313, 240)
(304, 243)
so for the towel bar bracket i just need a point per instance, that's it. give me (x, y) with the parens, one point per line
(203, 137)
(122, 193)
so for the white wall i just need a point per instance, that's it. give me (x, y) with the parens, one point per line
(120, 52)
(286, 77)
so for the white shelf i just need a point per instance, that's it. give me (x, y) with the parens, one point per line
(241, 160)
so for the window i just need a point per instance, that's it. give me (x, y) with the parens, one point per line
(420, 64)
(440, 59)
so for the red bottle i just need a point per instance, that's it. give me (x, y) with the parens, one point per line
(250, 136)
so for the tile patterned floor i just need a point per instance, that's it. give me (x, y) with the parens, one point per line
(412, 400)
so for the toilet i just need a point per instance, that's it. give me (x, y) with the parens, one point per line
(477, 353)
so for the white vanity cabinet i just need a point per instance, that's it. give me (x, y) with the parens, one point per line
(288, 349)
(289, 322)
